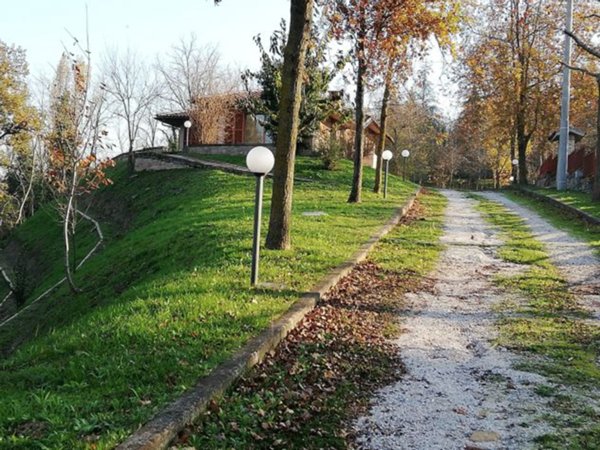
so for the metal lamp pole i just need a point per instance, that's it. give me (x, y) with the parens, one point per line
(405, 155)
(258, 203)
(515, 163)
(187, 124)
(260, 161)
(563, 142)
(386, 155)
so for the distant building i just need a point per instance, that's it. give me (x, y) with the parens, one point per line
(581, 164)
(239, 130)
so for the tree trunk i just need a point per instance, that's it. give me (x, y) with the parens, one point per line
(355, 193)
(70, 211)
(522, 144)
(131, 159)
(301, 12)
(596, 189)
(383, 124)
(28, 192)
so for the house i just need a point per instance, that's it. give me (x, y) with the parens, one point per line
(232, 130)
(335, 128)
(581, 164)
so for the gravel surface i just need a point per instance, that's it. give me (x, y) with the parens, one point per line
(459, 391)
(575, 259)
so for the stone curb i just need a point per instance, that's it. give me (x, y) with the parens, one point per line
(163, 428)
(560, 205)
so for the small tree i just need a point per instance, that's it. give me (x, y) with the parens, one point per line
(73, 141)
(214, 116)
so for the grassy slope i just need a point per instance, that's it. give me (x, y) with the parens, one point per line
(579, 200)
(167, 301)
(550, 332)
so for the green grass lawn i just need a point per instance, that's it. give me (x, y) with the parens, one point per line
(579, 200)
(549, 332)
(167, 299)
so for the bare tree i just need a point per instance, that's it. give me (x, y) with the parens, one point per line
(132, 89)
(191, 71)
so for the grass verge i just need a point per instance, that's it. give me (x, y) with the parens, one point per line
(579, 200)
(550, 332)
(324, 372)
(166, 300)
(560, 219)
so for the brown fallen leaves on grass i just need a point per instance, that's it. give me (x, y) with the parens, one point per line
(306, 394)
(320, 376)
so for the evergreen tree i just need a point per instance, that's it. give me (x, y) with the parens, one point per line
(315, 105)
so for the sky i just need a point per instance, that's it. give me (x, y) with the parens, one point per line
(151, 27)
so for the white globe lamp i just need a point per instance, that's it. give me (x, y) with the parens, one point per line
(260, 160)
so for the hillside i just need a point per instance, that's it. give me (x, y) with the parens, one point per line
(165, 300)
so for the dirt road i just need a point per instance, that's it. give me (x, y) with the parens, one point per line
(460, 391)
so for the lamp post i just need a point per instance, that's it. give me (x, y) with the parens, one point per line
(515, 175)
(187, 124)
(563, 142)
(405, 154)
(260, 161)
(386, 156)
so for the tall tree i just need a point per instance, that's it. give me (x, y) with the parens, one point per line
(18, 121)
(373, 27)
(190, 71)
(292, 76)
(132, 90)
(509, 71)
(396, 68)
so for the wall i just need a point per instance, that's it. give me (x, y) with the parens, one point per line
(227, 149)
(151, 164)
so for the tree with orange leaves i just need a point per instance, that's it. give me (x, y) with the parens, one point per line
(378, 31)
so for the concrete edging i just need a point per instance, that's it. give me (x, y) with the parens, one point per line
(163, 428)
(560, 205)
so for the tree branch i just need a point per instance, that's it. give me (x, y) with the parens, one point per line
(583, 70)
(582, 45)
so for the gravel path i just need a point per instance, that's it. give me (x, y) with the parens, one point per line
(459, 392)
(575, 259)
